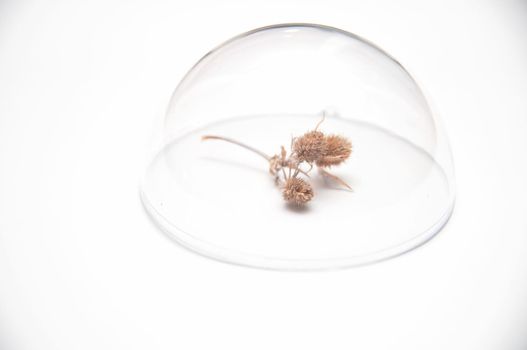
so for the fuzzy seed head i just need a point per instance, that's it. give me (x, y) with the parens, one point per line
(297, 191)
(338, 149)
(309, 147)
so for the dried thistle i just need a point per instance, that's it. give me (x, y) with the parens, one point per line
(311, 148)
(337, 150)
(297, 191)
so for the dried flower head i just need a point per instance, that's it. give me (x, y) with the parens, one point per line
(310, 146)
(291, 171)
(338, 149)
(297, 191)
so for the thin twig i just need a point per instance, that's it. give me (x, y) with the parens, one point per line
(298, 170)
(322, 120)
(252, 149)
(283, 172)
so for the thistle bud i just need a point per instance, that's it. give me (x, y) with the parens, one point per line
(337, 150)
(310, 147)
(297, 191)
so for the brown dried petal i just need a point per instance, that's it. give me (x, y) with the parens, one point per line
(274, 164)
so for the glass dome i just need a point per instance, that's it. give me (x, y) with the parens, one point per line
(266, 88)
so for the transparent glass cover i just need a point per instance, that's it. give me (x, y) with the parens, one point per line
(263, 88)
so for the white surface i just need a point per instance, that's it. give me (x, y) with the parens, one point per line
(81, 266)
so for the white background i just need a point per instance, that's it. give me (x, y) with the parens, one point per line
(82, 267)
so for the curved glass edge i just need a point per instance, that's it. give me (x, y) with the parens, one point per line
(225, 255)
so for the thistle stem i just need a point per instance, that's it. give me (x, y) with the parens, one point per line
(247, 147)
(252, 149)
